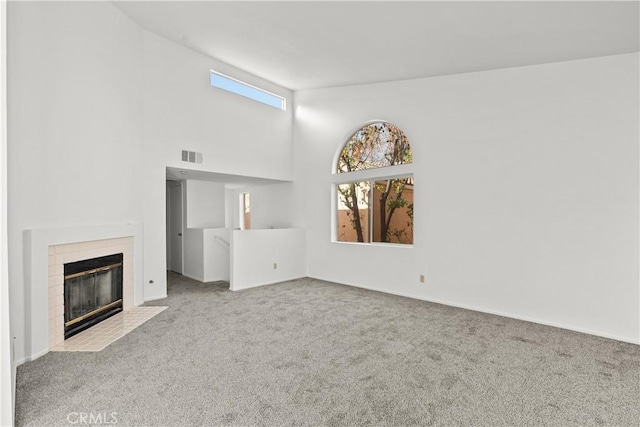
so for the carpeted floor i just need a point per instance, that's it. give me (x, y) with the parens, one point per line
(308, 352)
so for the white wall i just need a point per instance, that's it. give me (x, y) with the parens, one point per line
(7, 369)
(271, 206)
(182, 111)
(74, 126)
(205, 204)
(254, 252)
(206, 254)
(168, 225)
(236, 135)
(193, 251)
(526, 191)
(216, 254)
(99, 108)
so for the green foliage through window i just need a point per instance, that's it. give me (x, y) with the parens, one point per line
(380, 210)
(376, 145)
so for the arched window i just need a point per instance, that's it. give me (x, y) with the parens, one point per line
(378, 206)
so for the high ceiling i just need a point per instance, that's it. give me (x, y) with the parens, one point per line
(303, 45)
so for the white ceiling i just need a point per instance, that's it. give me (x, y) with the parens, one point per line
(303, 45)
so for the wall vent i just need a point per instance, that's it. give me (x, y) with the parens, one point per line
(191, 156)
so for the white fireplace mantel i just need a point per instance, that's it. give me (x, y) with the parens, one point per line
(37, 243)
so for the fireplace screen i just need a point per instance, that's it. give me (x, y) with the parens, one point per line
(92, 292)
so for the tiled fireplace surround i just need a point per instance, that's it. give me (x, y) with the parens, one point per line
(71, 252)
(47, 250)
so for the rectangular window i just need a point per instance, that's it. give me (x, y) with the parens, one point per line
(393, 211)
(353, 212)
(248, 91)
(379, 213)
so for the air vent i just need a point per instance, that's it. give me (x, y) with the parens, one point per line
(191, 156)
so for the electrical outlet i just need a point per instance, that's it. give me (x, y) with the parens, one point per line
(275, 265)
(422, 278)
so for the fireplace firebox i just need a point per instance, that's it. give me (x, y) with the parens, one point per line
(92, 292)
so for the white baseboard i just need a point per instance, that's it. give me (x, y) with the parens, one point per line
(199, 279)
(216, 279)
(154, 298)
(202, 280)
(31, 358)
(497, 313)
(255, 285)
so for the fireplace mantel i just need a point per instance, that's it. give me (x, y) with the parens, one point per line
(37, 243)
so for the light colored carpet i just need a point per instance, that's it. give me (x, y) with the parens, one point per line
(308, 352)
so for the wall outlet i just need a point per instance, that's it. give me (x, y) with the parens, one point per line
(275, 265)
(422, 278)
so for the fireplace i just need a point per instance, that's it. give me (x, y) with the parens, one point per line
(92, 292)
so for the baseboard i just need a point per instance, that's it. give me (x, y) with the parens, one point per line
(31, 358)
(219, 279)
(202, 280)
(496, 313)
(266, 283)
(199, 279)
(154, 298)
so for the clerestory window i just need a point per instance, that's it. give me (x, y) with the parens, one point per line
(238, 87)
(374, 187)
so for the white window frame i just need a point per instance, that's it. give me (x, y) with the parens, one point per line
(370, 175)
(278, 101)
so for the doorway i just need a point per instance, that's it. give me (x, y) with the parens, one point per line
(175, 226)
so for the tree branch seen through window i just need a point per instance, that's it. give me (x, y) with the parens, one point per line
(380, 210)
